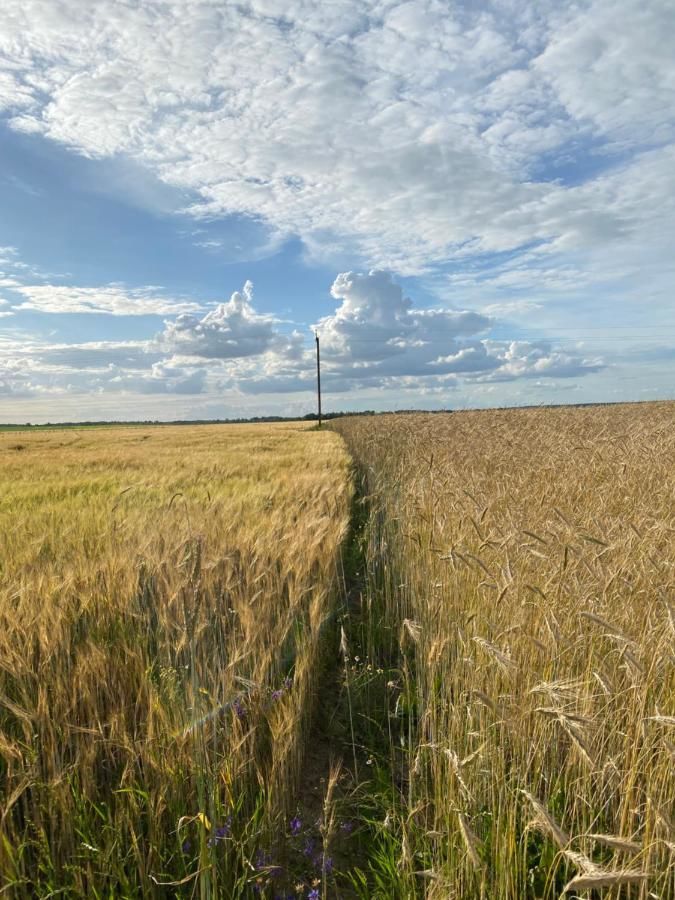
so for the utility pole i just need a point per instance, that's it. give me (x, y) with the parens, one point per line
(318, 374)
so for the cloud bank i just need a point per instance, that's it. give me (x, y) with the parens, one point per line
(375, 340)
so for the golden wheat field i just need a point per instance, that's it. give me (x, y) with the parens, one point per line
(521, 579)
(410, 656)
(163, 592)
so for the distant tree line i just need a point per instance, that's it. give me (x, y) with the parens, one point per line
(308, 417)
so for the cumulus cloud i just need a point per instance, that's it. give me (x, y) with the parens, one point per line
(374, 311)
(376, 332)
(378, 339)
(233, 329)
(375, 340)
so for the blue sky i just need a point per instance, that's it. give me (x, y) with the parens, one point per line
(474, 204)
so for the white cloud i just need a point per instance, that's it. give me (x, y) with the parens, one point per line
(161, 379)
(232, 329)
(9, 259)
(376, 335)
(409, 132)
(376, 325)
(614, 68)
(13, 94)
(15, 379)
(34, 368)
(376, 340)
(101, 355)
(525, 359)
(113, 299)
(512, 308)
(19, 279)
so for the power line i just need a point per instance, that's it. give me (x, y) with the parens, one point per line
(550, 337)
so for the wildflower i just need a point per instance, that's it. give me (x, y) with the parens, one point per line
(288, 682)
(220, 833)
(262, 859)
(323, 863)
(187, 846)
(277, 695)
(313, 894)
(347, 827)
(308, 849)
(296, 826)
(239, 708)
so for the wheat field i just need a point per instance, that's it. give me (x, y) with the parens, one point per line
(163, 596)
(519, 588)
(478, 608)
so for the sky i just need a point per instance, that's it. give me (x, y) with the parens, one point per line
(471, 203)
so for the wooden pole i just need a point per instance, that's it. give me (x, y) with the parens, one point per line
(318, 374)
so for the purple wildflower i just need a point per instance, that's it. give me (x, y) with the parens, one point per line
(308, 849)
(277, 695)
(288, 682)
(313, 894)
(323, 863)
(220, 833)
(186, 846)
(347, 827)
(296, 826)
(262, 859)
(239, 708)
